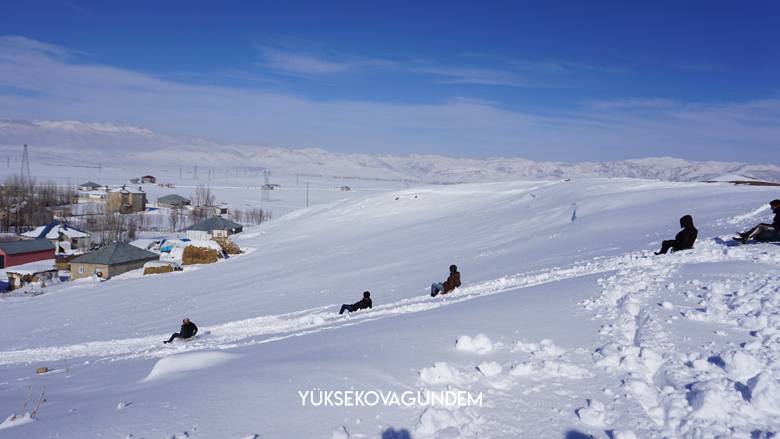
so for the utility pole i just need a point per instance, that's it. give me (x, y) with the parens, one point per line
(307, 194)
(266, 191)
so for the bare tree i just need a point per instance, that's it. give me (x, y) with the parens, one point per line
(203, 196)
(174, 219)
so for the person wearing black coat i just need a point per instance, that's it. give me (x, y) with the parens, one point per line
(684, 239)
(363, 303)
(188, 329)
(775, 226)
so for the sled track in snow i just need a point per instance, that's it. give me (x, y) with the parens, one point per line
(269, 328)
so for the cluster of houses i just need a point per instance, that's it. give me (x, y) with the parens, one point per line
(57, 251)
(39, 256)
(127, 198)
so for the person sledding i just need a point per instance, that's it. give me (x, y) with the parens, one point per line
(763, 231)
(452, 282)
(684, 239)
(363, 303)
(188, 330)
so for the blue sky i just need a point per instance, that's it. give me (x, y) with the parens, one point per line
(544, 80)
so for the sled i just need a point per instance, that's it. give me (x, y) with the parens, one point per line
(194, 337)
(767, 236)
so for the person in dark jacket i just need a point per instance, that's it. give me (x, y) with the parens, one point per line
(364, 303)
(452, 282)
(188, 329)
(763, 227)
(684, 239)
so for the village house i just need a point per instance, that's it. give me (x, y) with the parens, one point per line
(64, 238)
(92, 196)
(148, 179)
(222, 209)
(123, 200)
(90, 186)
(173, 201)
(21, 252)
(111, 260)
(214, 227)
(42, 273)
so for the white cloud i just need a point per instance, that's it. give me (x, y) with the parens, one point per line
(302, 63)
(312, 63)
(41, 81)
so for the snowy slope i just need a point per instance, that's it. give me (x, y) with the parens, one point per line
(557, 275)
(74, 142)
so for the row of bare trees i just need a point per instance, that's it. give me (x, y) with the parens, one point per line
(26, 204)
(250, 217)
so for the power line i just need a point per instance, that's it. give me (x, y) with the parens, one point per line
(25, 173)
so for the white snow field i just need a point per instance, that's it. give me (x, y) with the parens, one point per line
(566, 323)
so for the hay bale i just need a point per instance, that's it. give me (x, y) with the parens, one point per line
(167, 268)
(41, 370)
(228, 246)
(199, 255)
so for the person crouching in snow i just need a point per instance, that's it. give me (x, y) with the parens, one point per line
(364, 303)
(763, 227)
(188, 329)
(684, 239)
(452, 282)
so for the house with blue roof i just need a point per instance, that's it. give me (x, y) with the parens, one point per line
(67, 240)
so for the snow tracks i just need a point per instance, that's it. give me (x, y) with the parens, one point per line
(269, 328)
(687, 384)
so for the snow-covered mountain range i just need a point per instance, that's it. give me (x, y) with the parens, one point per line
(74, 141)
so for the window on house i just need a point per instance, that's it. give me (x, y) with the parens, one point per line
(81, 270)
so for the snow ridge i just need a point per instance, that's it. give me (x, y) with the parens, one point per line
(140, 145)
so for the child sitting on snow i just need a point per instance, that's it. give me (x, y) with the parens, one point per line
(684, 239)
(364, 303)
(188, 329)
(452, 282)
(774, 227)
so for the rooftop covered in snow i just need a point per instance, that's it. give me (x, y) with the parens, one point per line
(53, 230)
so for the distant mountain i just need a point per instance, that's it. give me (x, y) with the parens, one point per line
(73, 142)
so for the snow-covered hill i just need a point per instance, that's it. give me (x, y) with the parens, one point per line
(566, 323)
(73, 142)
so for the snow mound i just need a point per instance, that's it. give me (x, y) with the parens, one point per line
(544, 349)
(177, 364)
(740, 366)
(340, 432)
(548, 369)
(441, 423)
(489, 368)
(442, 373)
(765, 393)
(479, 344)
(594, 414)
(15, 421)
